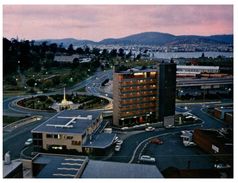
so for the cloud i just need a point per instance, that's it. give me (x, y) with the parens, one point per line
(102, 21)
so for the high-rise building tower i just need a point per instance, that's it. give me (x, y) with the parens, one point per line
(144, 96)
(167, 93)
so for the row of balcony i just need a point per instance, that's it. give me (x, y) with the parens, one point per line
(139, 82)
(136, 89)
(136, 102)
(131, 101)
(136, 113)
(141, 96)
(137, 78)
(137, 107)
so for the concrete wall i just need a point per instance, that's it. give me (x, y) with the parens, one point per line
(115, 99)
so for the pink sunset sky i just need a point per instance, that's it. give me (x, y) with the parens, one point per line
(96, 22)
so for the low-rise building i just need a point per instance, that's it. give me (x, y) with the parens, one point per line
(219, 112)
(72, 130)
(68, 166)
(217, 142)
(12, 168)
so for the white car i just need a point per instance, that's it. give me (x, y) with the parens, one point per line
(147, 158)
(118, 147)
(187, 143)
(219, 166)
(119, 142)
(28, 142)
(116, 139)
(125, 128)
(149, 129)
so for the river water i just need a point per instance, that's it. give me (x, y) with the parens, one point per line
(169, 55)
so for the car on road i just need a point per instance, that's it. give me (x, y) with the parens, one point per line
(28, 142)
(156, 141)
(125, 128)
(150, 129)
(147, 158)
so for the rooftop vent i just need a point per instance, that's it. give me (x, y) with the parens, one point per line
(7, 158)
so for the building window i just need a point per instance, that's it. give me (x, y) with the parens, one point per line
(49, 136)
(76, 143)
(70, 137)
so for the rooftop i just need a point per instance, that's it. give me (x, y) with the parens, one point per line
(223, 136)
(68, 122)
(106, 169)
(8, 168)
(197, 67)
(59, 166)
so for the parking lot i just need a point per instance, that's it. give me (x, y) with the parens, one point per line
(172, 153)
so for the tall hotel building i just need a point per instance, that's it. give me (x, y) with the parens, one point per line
(144, 96)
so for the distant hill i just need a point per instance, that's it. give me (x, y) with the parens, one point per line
(160, 39)
(148, 38)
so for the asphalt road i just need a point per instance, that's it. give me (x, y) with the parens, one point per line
(14, 141)
(131, 143)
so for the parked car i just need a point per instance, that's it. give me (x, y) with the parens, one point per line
(118, 147)
(147, 158)
(28, 142)
(149, 129)
(119, 142)
(116, 139)
(220, 165)
(188, 143)
(156, 141)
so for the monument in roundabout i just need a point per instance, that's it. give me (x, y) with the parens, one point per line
(65, 104)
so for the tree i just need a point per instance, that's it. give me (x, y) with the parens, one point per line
(87, 50)
(96, 51)
(113, 53)
(31, 82)
(70, 49)
(79, 51)
(121, 53)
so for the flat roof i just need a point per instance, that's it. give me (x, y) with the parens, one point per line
(100, 141)
(59, 166)
(196, 67)
(7, 169)
(133, 70)
(106, 169)
(68, 122)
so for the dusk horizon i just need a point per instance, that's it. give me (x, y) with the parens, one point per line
(98, 22)
(52, 38)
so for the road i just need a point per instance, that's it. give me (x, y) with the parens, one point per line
(133, 142)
